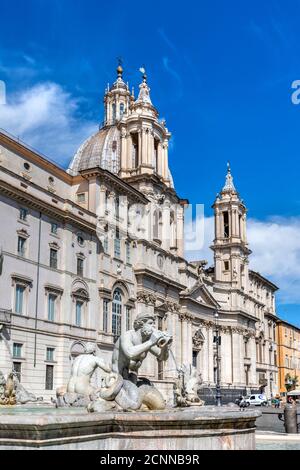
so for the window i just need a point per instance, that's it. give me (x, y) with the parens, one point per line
(51, 180)
(17, 368)
(80, 267)
(105, 244)
(49, 377)
(105, 315)
(21, 246)
(23, 213)
(117, 245)
(226, 224)
(53, 258)
(107, 195)
(78, 312)
(135, 150)
(157, 221)
(80, 240)
(286, 361)
(19, 303)
(51, 306)
(17, 350)
(114, 111)
(54, 228)
(128, 318)
(195, 358)
(117, 207)
(128, 253)
(121, 110)
(50, 354)
(116, 313)
(26, 166)
(246, 347)
(226, 265)
(156, 143)
(81, 198)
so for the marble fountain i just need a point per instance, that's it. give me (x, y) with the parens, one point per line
(126, 412)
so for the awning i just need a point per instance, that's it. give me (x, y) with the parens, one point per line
(293, 393)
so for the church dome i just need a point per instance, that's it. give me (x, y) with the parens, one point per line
(100, 150)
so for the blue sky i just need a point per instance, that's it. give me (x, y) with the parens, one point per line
(220, 74)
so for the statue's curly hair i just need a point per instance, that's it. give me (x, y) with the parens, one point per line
(141, 319)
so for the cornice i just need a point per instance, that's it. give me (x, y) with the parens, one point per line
(24, 150)
(43, 206)
(116, 182)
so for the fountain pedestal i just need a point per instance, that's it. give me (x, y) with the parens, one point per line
(199, 428)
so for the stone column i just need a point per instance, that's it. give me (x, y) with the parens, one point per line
(205, 356)
(123, 150)
(184, 340)
(169, 365)
(129, 151)
(166, 225)
(101, 204)
(237, 358)
(189, 342)
(210, 356)
(150, 148)
(111, 206)
(225, 354)
(140, 134)
(159, 159)
(252, 355)
(180, 230)
(175, 358)
(144, 147)
(165, 161)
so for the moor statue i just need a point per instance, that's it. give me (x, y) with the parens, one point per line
(131, 349)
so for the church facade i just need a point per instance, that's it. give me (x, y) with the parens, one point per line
(83, 251)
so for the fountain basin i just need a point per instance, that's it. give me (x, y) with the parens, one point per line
(199, 428)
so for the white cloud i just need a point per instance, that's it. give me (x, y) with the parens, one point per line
(275, 245)
(45, 116)
(276, 253)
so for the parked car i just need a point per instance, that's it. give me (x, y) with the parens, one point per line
(257, 400)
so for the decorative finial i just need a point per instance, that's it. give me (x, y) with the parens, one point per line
(120, 68)
(229, 186)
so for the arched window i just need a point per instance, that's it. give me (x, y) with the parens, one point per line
(116, 313)
(114, 111)
(135, 150)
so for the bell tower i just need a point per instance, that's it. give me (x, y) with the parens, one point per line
(145, 139)
(117, 100)
(230, 244)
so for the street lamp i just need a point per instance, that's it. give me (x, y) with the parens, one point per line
(217, 341)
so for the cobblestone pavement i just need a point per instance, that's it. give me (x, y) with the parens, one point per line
(277, 441)
(269, 420)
